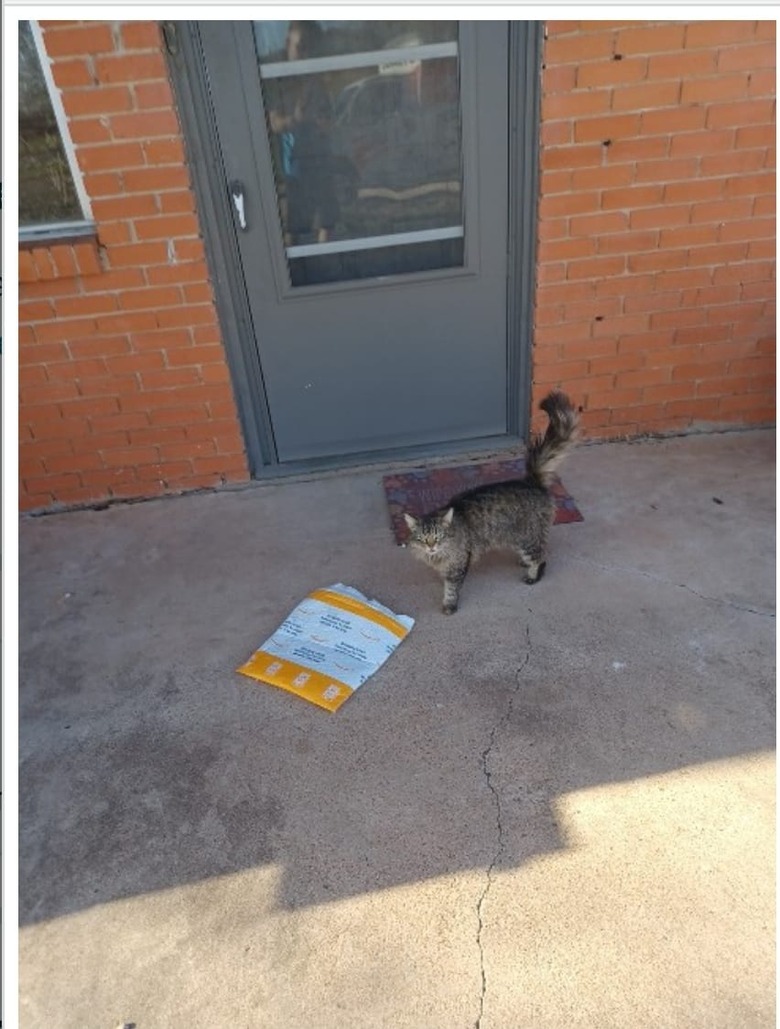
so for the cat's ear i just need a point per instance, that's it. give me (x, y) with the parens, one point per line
(447, 519)
(410, 521)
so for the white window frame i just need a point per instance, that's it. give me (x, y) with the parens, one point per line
(79, 227)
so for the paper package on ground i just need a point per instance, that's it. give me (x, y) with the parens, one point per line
(328, 646)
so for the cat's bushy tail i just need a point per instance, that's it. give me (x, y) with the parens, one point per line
(546, 452)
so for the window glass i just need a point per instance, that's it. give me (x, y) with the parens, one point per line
(365, 132)
(46, 189)
(350, 37)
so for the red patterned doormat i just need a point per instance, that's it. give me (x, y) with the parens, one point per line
(423, 491)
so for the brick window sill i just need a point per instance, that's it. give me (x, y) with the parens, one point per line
(64, 257)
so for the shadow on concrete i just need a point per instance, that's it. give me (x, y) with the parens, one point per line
(147, 763)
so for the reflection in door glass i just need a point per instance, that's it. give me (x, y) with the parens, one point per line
(349, 37)
(364, 125)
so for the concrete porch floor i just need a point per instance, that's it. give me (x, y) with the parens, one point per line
(553, 810)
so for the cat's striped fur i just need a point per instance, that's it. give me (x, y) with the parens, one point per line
(514, 516)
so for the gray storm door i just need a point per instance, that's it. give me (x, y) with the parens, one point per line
(366, 168)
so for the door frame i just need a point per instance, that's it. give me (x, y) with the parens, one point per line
(190, 84)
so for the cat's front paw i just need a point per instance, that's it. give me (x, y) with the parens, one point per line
(449, 609)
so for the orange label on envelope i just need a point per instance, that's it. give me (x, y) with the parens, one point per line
(328, 646)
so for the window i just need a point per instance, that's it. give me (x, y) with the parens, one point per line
(52, 201)
(365, 136)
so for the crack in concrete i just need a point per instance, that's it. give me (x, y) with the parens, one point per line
(677, 585)
(727, 603)
(496, 796)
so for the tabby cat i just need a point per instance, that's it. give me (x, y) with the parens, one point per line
(501, 516)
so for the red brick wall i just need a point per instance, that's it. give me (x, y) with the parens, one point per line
(656, 260)
(124, 387)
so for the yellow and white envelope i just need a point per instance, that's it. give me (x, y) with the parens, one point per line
(328, 646)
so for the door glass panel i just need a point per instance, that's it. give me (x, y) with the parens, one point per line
(330, 38)
(365, 132)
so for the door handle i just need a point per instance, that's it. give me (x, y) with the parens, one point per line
(237, 195)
